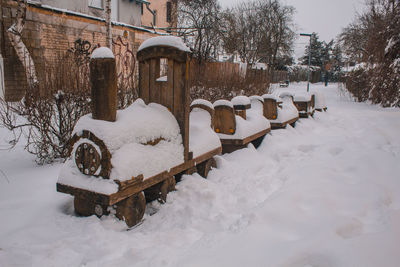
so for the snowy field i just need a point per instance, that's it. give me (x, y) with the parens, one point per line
(326, 193)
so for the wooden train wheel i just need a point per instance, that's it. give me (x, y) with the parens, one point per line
(83, 207)
(159, 191)
(204, 167)
(91, 155)
(131, 209)
(87, 207)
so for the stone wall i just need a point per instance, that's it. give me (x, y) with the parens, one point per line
(49, 34)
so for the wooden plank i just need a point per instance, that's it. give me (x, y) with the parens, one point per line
(154, 73)
(82, 193)
(224, 120)
(144, 72)
(128, 188)
(133, 188)
(181, 103)
(270, 109)
(246, 140)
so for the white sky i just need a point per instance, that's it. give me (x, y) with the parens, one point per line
(325, 17)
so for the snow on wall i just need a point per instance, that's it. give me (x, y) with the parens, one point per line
(256, 97)
(202, 137)
(102, 52)
(287, 112)
(257, 104)
(320, 102)
(126, 140)
(171, 41)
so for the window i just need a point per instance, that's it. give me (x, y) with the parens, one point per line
(114, 10)
(169, 12)
(96, 3)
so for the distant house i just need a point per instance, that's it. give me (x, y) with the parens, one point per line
(54, 27)
(160, 14)
(126, 11)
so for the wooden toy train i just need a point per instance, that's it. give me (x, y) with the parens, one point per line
(119, 160)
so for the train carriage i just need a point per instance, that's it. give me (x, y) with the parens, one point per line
(238, 125)
(122, 159)
(305, 103)
(280, 111)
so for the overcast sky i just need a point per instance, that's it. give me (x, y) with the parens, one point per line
(325, 17)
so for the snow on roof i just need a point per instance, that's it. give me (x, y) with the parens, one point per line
(270, 96)
(102, 52)
(172, 41)
(285, 94)
(202, 102)
(139, 123)
(223, 102)
(256, 97)
(302, 97)
(240, 100)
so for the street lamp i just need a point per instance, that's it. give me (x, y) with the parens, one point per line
(309, 60)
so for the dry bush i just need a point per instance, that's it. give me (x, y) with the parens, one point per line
(47, 115)
(226, 85)
(379, 49)
(356, 83)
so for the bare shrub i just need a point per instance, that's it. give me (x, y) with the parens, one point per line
(213, 85)
(48, 113)
(357, 84)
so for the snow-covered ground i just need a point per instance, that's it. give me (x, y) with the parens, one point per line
(326, 193)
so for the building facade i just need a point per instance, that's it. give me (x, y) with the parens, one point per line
(160, 14)
(55, 27)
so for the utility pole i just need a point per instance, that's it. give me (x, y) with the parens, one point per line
(309, 60)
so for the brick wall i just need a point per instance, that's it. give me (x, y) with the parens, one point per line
(49, 34)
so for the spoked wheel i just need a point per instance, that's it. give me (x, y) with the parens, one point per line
(131, 209)
(83, 207)
(204, 167)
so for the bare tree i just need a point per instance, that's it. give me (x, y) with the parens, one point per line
(15, 36)
(259, 31)
(378, 49)
(108, 24)
(199, 23)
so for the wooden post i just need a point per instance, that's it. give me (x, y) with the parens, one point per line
(270, 108)
(172, 93)
(103, 78)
